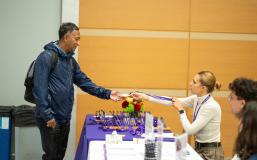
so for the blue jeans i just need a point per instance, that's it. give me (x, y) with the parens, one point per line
(54, 140)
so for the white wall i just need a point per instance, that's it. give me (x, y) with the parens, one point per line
(70, 13)
(25, 27)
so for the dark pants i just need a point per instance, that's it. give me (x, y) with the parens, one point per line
(54, 140)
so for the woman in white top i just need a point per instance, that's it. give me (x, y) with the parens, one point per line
(206, 114)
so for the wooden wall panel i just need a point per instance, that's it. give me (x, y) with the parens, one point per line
(134, 14)
(87, 104)
(233, 16)
(227, 59)
(135, 62)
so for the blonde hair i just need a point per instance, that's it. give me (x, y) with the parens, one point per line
(208, 80)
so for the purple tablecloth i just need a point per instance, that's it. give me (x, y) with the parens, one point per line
(92, 132)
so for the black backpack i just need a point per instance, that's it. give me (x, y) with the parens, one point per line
(29, 80)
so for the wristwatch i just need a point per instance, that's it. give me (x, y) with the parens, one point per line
(181, 111)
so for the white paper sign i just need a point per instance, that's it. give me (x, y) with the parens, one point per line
(5, 123)
(148, 124)
(113, 138)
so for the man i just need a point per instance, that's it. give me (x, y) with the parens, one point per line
(242, 90)
(54, 92)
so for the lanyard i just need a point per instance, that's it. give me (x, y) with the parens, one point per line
(161, 97)
(199, 107)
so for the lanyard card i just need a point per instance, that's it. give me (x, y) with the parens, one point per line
(181, 144)
(148, 125)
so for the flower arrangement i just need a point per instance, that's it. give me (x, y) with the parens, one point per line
(132, 106)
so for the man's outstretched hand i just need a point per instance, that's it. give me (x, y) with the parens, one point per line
(116, 96)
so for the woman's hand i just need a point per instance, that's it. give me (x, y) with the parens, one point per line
(139, 95)
(177, 104)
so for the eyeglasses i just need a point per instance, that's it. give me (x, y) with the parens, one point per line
(231, 97)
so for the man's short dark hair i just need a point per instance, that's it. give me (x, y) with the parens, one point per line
(244, 88)
(67, 27)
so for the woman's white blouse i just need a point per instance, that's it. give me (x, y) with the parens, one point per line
(206, 126)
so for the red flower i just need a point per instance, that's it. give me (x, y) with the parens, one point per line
(137, 107)
(124, 104)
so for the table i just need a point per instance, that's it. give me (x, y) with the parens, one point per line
(97, 152)
(91, 132)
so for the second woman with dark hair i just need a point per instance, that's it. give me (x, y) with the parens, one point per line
(246, 141)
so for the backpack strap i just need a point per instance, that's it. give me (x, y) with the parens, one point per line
(54, 60)
(73, 62)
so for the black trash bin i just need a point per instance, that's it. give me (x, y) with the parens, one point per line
(24, 115)
(6, 119)
(27, 136)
